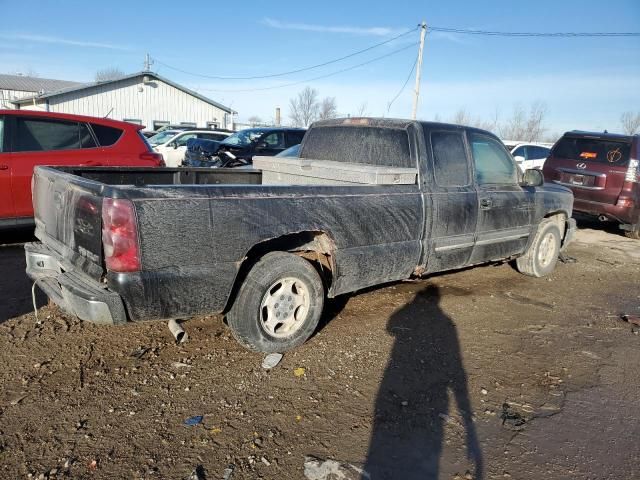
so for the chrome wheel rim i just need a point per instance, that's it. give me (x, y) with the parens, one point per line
(284, 307)
(546, 250)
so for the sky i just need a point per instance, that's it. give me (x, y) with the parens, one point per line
(584, 83)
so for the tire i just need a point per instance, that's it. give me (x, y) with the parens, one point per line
(281, 286)
(542, 255)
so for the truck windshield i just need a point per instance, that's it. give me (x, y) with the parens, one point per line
(244, 137)
(593, 150)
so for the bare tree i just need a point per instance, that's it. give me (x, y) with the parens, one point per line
(328, 108)
(110, 73)
(528, 127)
(630, 122)
(304, 109)
(461, 117)
(535, 121)
(254, 120)
(362, 111)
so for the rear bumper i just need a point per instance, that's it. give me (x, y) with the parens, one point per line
(613, 212)
(75, 293)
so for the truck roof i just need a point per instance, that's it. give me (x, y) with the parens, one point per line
(391, 123)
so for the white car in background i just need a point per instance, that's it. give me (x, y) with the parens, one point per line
(172, 144)
(528, 154)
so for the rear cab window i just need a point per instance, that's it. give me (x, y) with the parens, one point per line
(593, 150)
(359, 144)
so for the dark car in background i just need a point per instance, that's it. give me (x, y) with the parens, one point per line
(242, 146)
(261, 141)
(602, 171)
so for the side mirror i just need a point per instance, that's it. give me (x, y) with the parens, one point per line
(261, 145)
(518, 158)
(532, 178)
(173, 145)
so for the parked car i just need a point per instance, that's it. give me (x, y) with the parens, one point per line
(602, 170)
(528, 155)
(419, 198)
(30, 138)
(201, 153)
(172, 144)
(266, 142)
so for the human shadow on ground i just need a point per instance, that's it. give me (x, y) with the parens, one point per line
(412, 404)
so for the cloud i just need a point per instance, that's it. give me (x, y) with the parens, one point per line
(27, 37)
(306, 27)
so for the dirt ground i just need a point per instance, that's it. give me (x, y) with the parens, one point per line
(481, 373)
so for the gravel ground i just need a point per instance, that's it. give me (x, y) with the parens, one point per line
(478, 373)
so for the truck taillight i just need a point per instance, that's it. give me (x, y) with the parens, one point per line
(120, 235)
(157, 158)
(632, 172)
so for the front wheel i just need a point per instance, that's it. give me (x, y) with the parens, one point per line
(542, 255)
(279, 304)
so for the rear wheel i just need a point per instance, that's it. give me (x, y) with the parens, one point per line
(279, 304)
(542, 255)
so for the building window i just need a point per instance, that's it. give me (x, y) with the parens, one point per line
(137, 121)
(213, 125)
(189, 124)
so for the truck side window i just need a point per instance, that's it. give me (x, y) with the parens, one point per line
(35, 135)
(449, 159)
(493, 164)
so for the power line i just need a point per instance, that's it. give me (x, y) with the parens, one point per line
(413, 67)
(533, 34)
(290, 72)
(412, 45)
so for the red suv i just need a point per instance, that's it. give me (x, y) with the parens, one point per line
(29, 138)
(602, 170)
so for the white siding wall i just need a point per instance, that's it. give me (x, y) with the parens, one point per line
(132, 99)
(7, 95)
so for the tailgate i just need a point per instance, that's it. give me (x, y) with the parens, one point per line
(68, 217)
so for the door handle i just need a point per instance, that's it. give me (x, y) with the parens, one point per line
(4, 167)
(486, 203)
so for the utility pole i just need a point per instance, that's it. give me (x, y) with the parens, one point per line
(416, 90)
(147, 63)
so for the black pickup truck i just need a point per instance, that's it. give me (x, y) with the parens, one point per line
(131, 244)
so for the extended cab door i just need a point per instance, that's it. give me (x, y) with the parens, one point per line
(7, 211)
(504, 208)
(454, 201)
